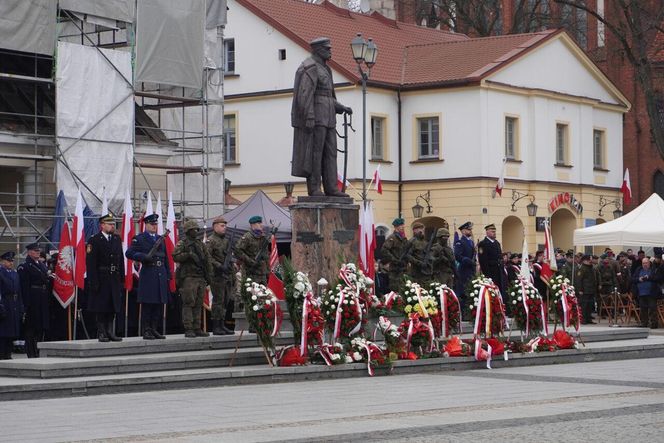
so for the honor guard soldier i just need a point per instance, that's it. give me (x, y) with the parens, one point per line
(36, 292)
(11, 305)
(444, 266)
(419, 256)
(149, 249)
(221, 253)
(490, 256)
(105, 277)
(464, 253)
(192, 277)
(252, 251)
(586, 283)
(394, 254)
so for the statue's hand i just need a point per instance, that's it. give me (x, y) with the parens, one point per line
(348, 110)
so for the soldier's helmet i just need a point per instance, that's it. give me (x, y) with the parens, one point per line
(442, 232)
(190, 225)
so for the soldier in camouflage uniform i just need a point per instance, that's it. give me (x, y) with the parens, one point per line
(420, 262)
(444, 264)
(586, 283)
(608, 278)
(192, 276)
(252, 251)
(394, 253)
(566, 270)
(219, 246)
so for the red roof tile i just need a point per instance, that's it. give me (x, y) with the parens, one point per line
(408, 55)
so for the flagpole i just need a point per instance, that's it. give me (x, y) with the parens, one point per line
(204, 321)
(75, 309)
(69, 322)
(163, 321)
(140, 309)
(126, 313)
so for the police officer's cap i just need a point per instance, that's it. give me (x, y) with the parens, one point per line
(467, 225)
(491, 226)
(320, 41)
(33, 247)
(190, 225)
(418, 225)
(152, 219)
(9, 256)
(443, 232)
(108, 218)
(255, 219)
(219, 220)
(398, 221)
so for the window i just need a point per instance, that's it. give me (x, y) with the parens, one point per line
(511, 137)
(598, 149)
(428, 138)
(229, 56)
(561, 144)
(230, 154)
(377, 138)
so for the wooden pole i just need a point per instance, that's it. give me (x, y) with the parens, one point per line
(69, 322)
(204, 320)
(237, 345)
(163, 321)
(75, 310)
(126, 313)
(140, 326)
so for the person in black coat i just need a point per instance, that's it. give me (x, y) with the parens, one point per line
(153, 277)
(11, 305)
(35, 291)
(105, 277)
(464, 253)
(490, 256)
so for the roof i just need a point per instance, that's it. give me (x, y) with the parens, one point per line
(302, 22)
(465, 60)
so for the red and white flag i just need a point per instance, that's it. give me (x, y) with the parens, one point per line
(274, 283)
(78, 240)
(525, 263)
(501, 181)
(127, 236)
(626, 188)
(208, 298)
(160, 222)
(148, 211)
(63, 284)
(549, 266)
(171, 240)
(378, 183)
(367, 240)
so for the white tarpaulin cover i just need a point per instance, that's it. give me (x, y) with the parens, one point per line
(169, 42)
(643, 226)
(28, 25)
(95, 103)
(122, 10)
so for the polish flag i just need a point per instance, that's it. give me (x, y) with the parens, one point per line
(63, 283)
(367, 240)
(525, 265)
(501, 181)
(148, 211)
(171, 240)
(378, 183)
(208, 297)
(274, 283)
(127, 236)
(160, 225)
(549, 266)
(626, 188)
(78, 240)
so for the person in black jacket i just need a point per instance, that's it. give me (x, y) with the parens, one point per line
(646, 279)
(35, 291)
(490, 256)
(105, 276)
(11, 305)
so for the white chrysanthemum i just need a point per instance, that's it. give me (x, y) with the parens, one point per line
(256, 308)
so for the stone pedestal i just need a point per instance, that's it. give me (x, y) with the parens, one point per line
(325, 235)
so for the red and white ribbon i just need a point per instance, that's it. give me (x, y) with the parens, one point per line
(278, 317)
(443, 292)
(358, 308)
(390, 298)
(338, 317)
(524, 296)
(565, 306)
(304, 333)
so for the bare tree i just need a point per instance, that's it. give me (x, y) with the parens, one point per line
(636, 26)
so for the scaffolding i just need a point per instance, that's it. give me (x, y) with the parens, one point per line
(28, 118)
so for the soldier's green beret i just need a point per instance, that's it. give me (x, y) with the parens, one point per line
(108, 218)
(443, 232)
(255, 219)
(398, 221)
(190, 225)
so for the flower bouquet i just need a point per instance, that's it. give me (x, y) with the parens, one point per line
(363, 350)
(394, 339)
(330, 354)
(343, 312)
(541, 344)
(565, 301)
(418, 300)
(262, 311)
(486, 307)
(455, 347)
(296, 287)
(564, 340)
(527, 307)
(419, 335)
(449, 309)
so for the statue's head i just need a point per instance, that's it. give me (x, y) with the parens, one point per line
(322, 47)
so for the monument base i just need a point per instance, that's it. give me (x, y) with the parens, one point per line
(324, 236)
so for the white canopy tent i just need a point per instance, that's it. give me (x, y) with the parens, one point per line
(643, 226)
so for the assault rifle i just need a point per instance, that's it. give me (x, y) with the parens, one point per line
(157, 244)
(266, 243)
(428, 260)
(229, 253)
(401, 266)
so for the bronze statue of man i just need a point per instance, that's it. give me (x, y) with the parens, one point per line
(313, 117)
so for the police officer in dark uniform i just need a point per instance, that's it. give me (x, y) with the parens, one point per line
(490, 256)
(105, 277)
(464, 252)
(11, 305)
(35, 291)
(153, 277)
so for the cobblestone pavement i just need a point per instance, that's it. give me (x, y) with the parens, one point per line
(600, 401)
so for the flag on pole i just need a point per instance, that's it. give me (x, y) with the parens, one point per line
(274, 283)
(378, 183)
(549, 266)
(171, 240)
(367, 240)
(209, 296)
(160, 225)
(148, 211)
(501, 180)
(525, 266)
(127, 236)
(104, 202)
(78, 239)
(626, 188)
(63, 283)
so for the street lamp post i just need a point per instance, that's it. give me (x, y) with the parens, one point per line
(364, 52)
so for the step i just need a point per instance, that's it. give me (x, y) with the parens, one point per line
(136, 345)
(58, 367)
(26, 388)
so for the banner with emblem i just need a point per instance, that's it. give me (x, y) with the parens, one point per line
(63, 283)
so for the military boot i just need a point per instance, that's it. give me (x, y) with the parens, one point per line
(101, 333)
(155, 331)
(200, 333)
(219, 328)
(148, 334)
(110, 331)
